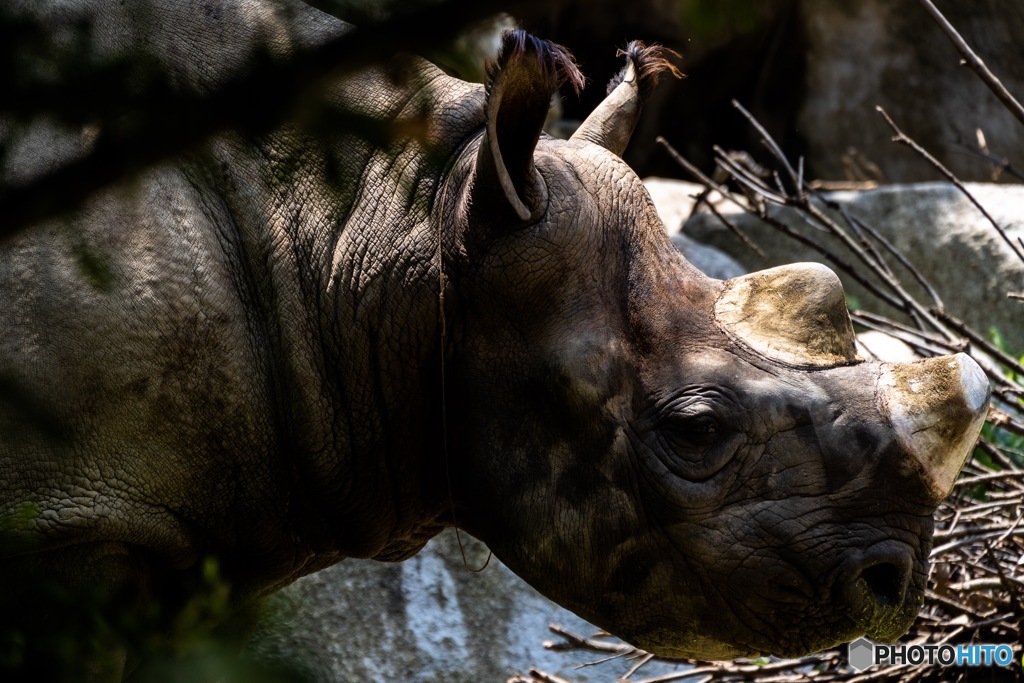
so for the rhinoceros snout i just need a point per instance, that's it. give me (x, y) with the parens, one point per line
(936, 407)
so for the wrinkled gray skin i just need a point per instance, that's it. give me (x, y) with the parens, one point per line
(257, 376)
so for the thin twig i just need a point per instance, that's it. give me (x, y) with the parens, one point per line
(734, 229)
(946, 345)
(902, 138)
(577, 642)
(769, 142)
(995, 454)
(917, 343)
(987, 478)
(896, 253)
(975, 62)
(1001, 164)
(636, 667)
(980, 341)
(545, 677)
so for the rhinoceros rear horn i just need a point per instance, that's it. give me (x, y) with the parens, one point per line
(611, 124)
(520, 84)
(793, 314)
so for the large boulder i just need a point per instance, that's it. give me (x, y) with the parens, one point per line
(877, 52)
(424, 620)
(933, 224)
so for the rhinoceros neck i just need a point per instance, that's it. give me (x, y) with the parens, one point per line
(338, 235)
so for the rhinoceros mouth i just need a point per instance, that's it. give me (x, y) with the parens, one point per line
(886, 621)
(877, 591)
(883, 625)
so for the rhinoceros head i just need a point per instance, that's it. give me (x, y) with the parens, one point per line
(704, 468)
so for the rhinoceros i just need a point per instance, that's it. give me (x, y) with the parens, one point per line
(286, 348)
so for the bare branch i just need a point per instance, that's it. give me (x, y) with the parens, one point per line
(975, 62)
(840, 263)
(982, 343)
(902, 138)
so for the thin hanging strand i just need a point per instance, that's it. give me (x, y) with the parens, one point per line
(441, 282)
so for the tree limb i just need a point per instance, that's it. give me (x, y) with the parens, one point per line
(975, 62)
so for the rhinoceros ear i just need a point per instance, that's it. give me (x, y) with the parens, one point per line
(520, 84)
(611, 124)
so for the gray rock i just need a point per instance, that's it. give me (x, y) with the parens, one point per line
(423, 620)
(933, 224)
(674, 201)
(710, 261)
(881, 346)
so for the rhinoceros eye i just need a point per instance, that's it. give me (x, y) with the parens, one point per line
(696, 446)
(700, 430)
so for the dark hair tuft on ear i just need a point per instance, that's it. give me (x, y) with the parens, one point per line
(650, 62)
(556, 63)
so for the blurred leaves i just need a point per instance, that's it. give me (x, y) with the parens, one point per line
(726, 17)
(142, 117)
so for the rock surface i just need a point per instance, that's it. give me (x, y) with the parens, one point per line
(877, 52)
(425, 620)
(812, 71)
(675, 201)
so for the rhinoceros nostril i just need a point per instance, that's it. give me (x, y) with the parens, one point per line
(876, 582)
(886, 583)
(877, 591)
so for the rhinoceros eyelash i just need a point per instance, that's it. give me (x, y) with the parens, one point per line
(702, 424)
(697, 456)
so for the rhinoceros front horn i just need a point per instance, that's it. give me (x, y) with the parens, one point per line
(793, 314)
(937, 407)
